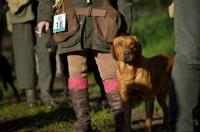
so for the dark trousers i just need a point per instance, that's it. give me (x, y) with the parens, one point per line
(2, 20)
(27, 44)
(185, 79)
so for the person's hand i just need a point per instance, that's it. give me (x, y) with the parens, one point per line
(43, 27)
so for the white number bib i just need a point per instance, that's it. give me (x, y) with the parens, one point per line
(59, 23)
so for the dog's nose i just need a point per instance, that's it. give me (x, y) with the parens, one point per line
(127, 54)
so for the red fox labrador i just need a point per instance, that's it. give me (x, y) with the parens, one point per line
(141, 78)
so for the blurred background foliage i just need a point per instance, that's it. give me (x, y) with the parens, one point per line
(153, 26)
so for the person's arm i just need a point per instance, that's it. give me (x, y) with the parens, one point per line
(125, 8)
(45, 15)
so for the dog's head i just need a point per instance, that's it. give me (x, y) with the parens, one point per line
(126, 48)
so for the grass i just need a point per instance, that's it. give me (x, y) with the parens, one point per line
(60, 118)
(155, 33)
(17, 117)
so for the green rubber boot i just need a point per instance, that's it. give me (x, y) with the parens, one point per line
(31, 100)
(46, 98)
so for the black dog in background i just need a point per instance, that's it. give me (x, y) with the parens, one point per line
(6, 75)
(92, 67)
(5, 67)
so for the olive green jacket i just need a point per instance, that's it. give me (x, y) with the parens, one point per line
(20, 11)
(85, 37)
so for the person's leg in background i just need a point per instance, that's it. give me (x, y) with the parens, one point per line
(24, 56)
(2, 19)
(47, 68)
(185, 78)
(78, 89)
(107, 68)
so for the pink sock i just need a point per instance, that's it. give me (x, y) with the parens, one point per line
(78, 83)
(110, 85)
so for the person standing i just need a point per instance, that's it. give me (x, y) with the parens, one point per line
(23, 17)
(184, 101)
(81, 33)
(2, 19)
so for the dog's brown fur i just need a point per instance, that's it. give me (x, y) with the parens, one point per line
(141, 78)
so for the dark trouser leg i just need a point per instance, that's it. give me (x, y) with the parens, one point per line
(185, 87)
(24, 56)
(2, 20)
(183, 99)
(47, 68)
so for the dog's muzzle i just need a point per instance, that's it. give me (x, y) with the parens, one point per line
(127, 54)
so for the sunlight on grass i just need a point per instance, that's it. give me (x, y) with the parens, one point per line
(103, 114)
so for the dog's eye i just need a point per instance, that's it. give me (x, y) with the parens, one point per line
(132, 43)
(120, 43)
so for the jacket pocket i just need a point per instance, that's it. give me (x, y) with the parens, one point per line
(107, 27)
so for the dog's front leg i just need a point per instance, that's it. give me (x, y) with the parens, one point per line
(127, 115)
(149, 104)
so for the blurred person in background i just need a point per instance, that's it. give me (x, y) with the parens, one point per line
(2, 19)
(81, 34)
(22, 16)
(184, 101)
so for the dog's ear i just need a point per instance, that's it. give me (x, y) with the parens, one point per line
(135, 38)
(139, 45)
(139, 51)
(112, 50)
(139, 48)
